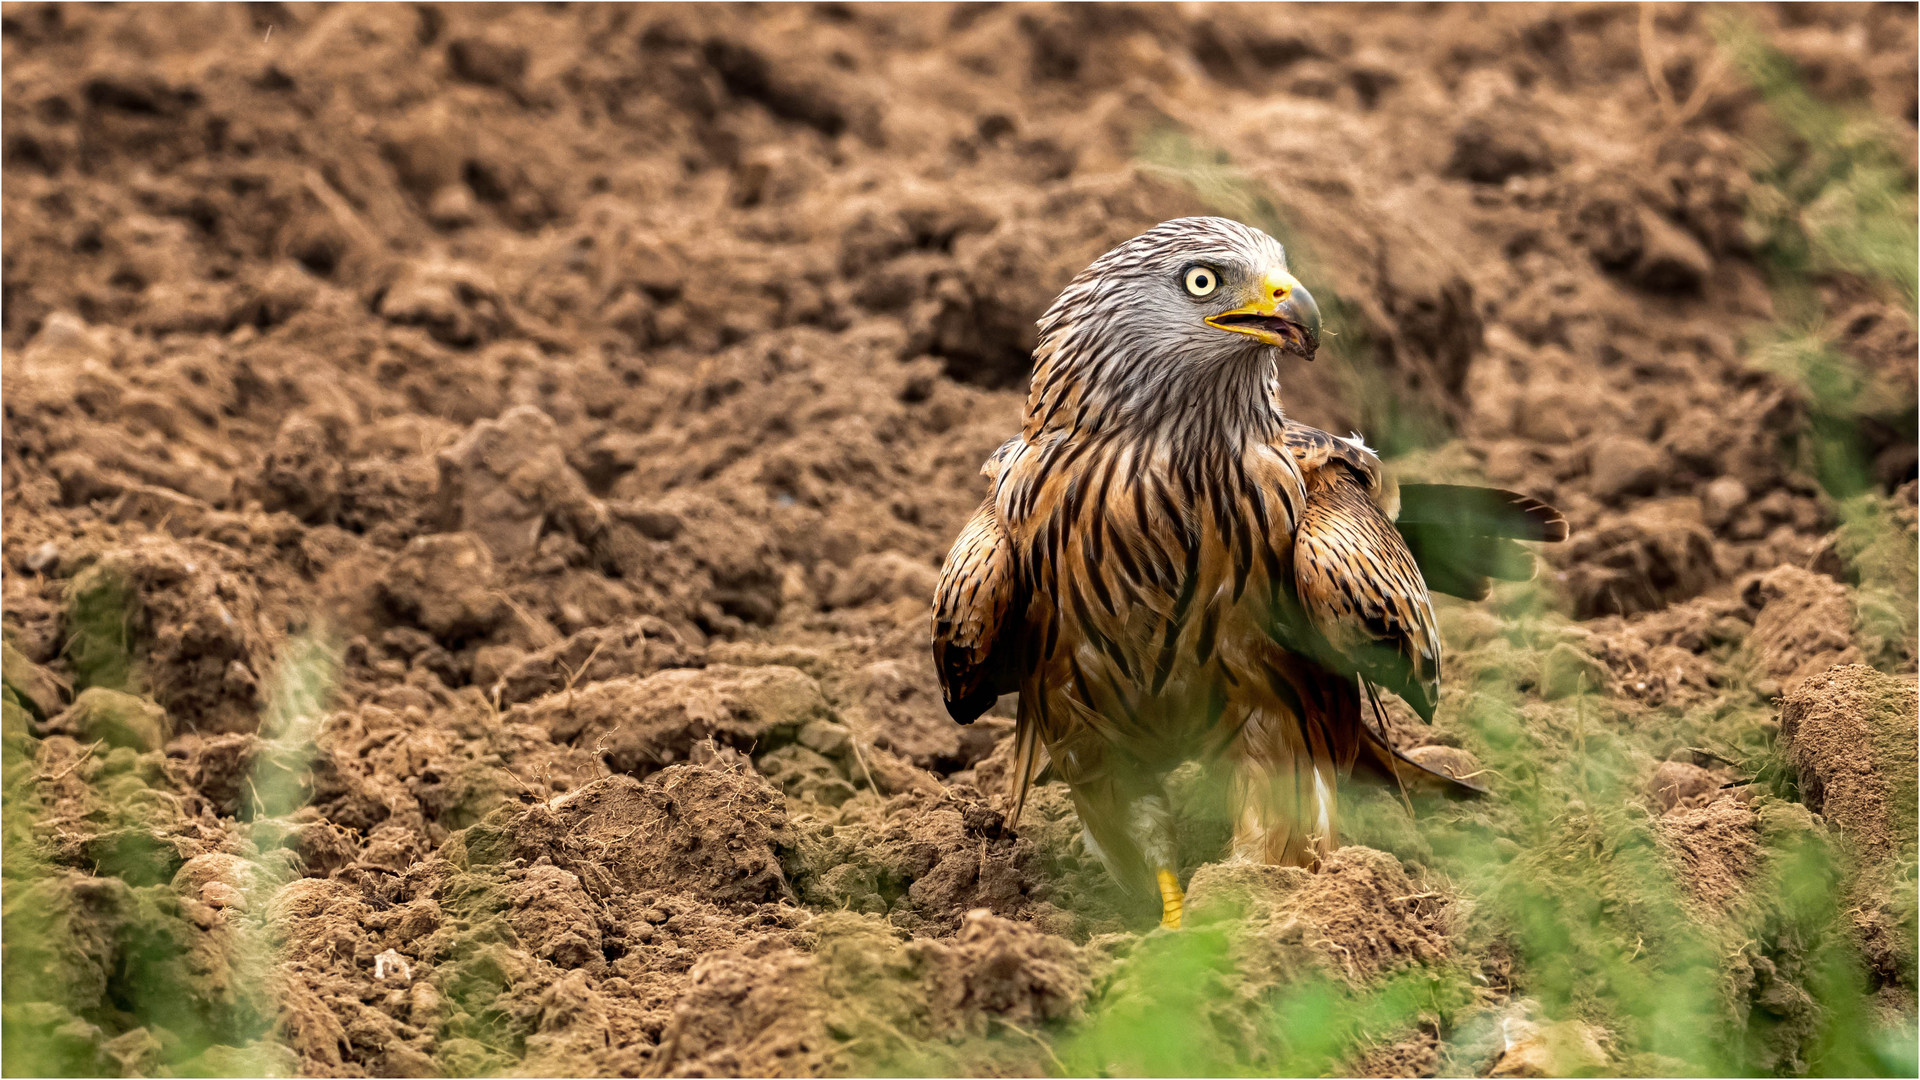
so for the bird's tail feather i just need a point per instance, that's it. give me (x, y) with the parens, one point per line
(1381, 761)
(1026, 763)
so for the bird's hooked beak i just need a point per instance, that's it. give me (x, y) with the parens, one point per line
(1280, 313)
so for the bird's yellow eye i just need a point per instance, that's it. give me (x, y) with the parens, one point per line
(1202, 281)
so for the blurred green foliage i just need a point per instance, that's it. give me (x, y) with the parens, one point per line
(108, 970)
(1566, 893)
(1173, 1009)
(101, 610)
(1832, 194)
(1833, 198)
(304, 679)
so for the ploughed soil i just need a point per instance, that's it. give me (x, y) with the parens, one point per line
(475, 476)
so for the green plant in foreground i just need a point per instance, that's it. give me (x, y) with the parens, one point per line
(1833, 198)
(101, 609)
(304, 679)
(1567, 876)
(1833, 195)
(112, 965)
(1175, 1009)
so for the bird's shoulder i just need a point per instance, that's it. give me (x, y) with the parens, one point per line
(997, 461)
(1325, 460)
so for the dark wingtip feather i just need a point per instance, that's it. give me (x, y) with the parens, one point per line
(971, 707)
(1482, 511)
(1553, 524)
(1461, 536)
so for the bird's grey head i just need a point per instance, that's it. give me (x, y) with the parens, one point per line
(1190, 307)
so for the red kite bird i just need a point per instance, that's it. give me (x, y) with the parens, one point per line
(1168, 568)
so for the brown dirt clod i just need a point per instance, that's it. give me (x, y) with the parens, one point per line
(1850, 735)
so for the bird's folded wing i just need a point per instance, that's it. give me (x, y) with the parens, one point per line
(1363, 591)
(1463, 536)
(972, 615)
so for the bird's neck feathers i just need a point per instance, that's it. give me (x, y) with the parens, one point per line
(1084, 384)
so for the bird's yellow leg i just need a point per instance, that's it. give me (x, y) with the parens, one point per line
(1172, 900)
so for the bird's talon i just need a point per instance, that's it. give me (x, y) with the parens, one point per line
(1173, 901)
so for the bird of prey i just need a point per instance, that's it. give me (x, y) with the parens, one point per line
(1167, 567)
